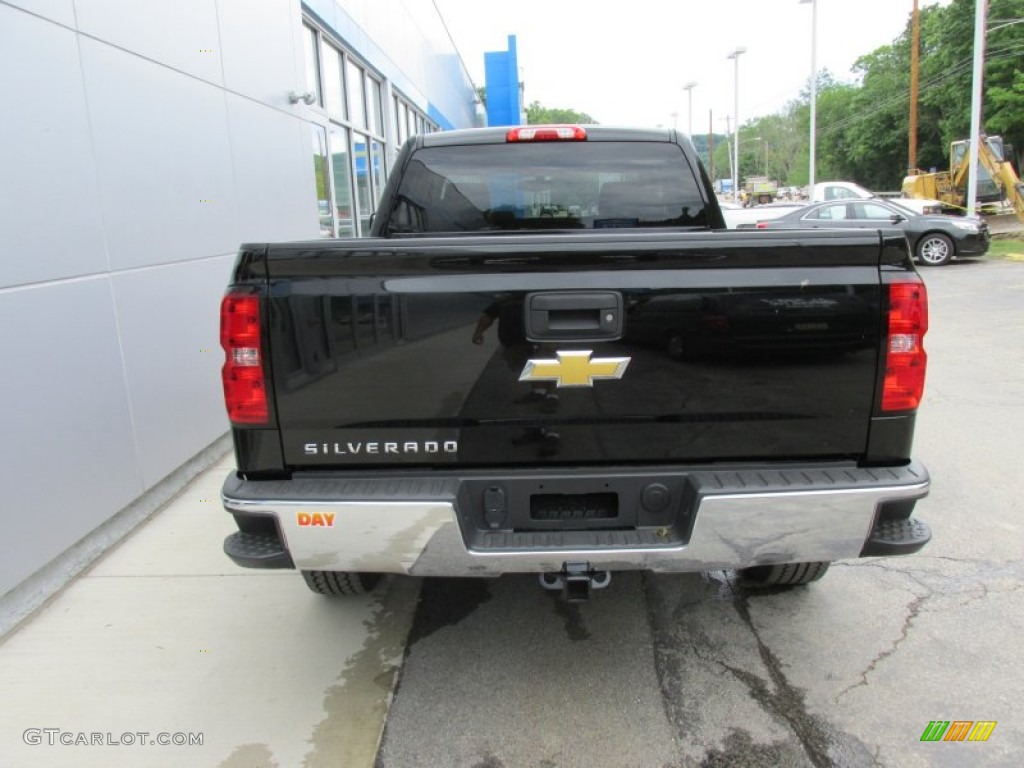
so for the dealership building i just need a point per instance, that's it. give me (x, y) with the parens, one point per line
(142, 143)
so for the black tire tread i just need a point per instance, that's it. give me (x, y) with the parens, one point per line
(340, 583)
(784, 574)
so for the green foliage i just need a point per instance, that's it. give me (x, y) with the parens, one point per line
(536, 114)
(863, 127)
(700, 143)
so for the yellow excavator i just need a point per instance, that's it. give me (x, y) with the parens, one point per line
(996, 178)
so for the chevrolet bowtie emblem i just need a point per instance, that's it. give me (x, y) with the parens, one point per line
(574, 369)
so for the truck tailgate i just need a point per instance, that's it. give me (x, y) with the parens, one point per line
(724, 346)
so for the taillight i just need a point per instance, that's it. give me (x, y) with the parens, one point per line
(245, 392)
(761, 225)
(905, 358)
(547, 133)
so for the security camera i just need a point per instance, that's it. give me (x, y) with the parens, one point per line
(307, 98)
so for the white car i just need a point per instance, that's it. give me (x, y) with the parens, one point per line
(846, 190)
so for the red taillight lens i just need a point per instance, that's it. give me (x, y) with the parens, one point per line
(761, 225)
(905, 358)
(547, 133)
(245, 392)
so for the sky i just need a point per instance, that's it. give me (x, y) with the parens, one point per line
(626, 62)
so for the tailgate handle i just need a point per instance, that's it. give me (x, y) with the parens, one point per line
(573, 316)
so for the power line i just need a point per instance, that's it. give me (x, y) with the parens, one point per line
(1006, 52)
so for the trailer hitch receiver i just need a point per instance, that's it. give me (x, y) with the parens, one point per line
(575, 580)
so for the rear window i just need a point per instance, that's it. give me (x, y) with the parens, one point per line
(549, 185)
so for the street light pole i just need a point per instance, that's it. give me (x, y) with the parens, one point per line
(915, 67)
(689, 106)
(814, 89)
(735, 56)
(980, 14)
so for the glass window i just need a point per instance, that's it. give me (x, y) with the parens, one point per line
(839, 193)
(378, 170)
(399, 125)
(356, 100)
(312, 62)
(341, 175)
(322, 181)
(364, 197)
(376, 121)
(872, 211)
(577, 185)
(829, 213)
(334, 89)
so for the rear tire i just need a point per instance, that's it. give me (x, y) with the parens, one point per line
(340, 583)
(783, 574)
(934, 250)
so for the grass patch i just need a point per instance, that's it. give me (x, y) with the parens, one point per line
(1009, 246)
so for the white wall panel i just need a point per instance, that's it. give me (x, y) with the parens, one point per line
(61, 11)
(162, 151)
(261, 59)
(128, 178)
(276, 197)
(182, 34)
(67, 451)
(49, 203)
(169, 319)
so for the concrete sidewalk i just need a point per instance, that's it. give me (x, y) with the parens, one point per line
(166, 636)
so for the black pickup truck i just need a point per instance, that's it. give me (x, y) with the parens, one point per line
(550, 356)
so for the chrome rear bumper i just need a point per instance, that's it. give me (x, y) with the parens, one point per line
(737, 519)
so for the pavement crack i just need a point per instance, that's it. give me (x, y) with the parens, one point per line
(785, 702)
(965, 587)
(913, 609)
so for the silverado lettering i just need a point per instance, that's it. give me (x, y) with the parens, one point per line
(336, 449)
(451, 393)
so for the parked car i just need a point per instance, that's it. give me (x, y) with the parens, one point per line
(935, 239)
(740, 217)
(826, 191)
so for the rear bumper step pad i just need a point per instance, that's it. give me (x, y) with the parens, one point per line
(257, 550)
(896, 537)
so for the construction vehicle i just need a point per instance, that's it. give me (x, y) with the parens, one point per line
(997, 180)
(760, 189)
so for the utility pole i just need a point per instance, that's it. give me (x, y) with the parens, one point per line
(689, 110)
(728, 147)
(735, 56)
(915, 52)
(812, 160)
(980, 12)
(711, 145)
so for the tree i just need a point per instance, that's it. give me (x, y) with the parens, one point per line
(536, 114)
(867, 140)
(700, 143)
(1004, 81)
